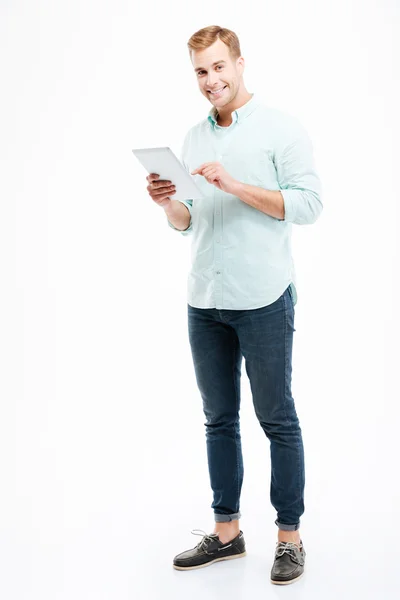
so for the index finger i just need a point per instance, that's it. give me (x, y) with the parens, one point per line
(200, 168)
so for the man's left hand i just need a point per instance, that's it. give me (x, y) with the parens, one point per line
(215, 173)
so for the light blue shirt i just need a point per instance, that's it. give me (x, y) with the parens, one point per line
(241, 257)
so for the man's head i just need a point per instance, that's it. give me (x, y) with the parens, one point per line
(218, 64)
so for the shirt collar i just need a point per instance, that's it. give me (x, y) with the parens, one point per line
(237, 115)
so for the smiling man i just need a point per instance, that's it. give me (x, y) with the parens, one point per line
(255, 167)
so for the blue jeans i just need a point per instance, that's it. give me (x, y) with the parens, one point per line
(264, 337)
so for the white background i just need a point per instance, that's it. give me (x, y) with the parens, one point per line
(102, 442)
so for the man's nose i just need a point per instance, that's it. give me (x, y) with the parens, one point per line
(212, 79)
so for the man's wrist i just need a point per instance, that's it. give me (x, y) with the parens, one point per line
(237, 188)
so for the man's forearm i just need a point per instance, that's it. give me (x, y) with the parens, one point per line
(269, 202)
(178, 214)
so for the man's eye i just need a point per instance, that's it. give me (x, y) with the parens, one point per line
(218, 67)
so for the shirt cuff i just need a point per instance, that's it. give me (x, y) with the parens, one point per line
(288, 204)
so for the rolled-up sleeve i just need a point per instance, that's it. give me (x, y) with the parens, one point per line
(188, 202)
(299, 182)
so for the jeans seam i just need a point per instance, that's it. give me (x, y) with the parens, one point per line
(286, 361)
(237, 416)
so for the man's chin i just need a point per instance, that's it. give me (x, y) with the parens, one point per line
(218, 101)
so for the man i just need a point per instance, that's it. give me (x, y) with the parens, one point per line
(255, 167)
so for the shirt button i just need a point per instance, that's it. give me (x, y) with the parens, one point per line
(217, 241)
(218, 272)
(217, 213)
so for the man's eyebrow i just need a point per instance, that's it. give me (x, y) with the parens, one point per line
(213, 65)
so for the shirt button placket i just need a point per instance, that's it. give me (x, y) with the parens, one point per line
(218, 251)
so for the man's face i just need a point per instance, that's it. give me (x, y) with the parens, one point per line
(220, 82)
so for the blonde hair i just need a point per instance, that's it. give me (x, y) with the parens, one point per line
(208, 35)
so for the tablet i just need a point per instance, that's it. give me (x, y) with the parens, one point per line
(163, 162)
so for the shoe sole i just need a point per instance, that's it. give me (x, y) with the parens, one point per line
(209, 563)
(277, 582)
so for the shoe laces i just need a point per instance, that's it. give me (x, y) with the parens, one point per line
(288, 548)
(205, 539)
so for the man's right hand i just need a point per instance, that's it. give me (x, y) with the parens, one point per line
(160, 189)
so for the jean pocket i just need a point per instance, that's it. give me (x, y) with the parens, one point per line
(290, 292)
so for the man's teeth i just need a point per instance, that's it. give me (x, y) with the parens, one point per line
(217, 91)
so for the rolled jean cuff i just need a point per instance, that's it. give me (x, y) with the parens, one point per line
(286, 527)
(227, 518)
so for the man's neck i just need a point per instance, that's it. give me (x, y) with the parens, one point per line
(223, 123)
(224, 117)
